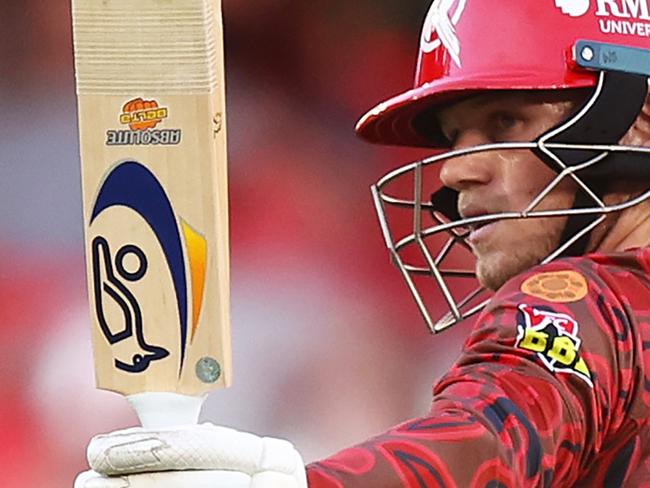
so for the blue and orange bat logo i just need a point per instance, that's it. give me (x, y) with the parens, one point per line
(132, 185)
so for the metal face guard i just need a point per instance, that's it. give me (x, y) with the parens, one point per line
(431, 242)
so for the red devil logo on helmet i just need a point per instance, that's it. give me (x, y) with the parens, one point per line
(440, 27)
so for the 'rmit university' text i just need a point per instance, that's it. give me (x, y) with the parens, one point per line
(624, 9)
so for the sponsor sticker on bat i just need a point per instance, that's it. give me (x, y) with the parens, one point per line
(554, 338)
(140, 119)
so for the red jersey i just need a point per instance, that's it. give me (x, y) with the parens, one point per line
(552, 389)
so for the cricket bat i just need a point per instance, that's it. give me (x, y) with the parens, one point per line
(152, 125)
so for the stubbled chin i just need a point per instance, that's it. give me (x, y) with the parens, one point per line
(513, 248)
(494, 269)
(487, 277)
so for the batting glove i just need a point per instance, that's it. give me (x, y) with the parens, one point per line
(199, 456)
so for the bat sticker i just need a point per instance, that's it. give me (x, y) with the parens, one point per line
(142, 117)
(132, 185)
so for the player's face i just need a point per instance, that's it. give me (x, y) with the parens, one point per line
(506, 180)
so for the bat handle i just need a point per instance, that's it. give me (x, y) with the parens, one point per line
(161, 410)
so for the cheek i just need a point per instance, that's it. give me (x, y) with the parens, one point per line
(525, 177)
(529, 233)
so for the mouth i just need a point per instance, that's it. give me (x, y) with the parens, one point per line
(480, 231)
(474, 214)
(477, 230)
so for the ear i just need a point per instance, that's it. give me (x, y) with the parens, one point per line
(639, 133)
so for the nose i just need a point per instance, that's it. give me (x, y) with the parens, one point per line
(462, 172)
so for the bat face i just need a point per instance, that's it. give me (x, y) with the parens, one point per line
(156, 252)
(155, 198)
(161, 252)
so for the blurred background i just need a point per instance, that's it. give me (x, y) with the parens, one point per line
(328, 346)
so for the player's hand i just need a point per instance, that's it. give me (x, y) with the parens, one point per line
(200, 456)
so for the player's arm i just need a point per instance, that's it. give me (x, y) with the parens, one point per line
(500, 415)
(527, 403)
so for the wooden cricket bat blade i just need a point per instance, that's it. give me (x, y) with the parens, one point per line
(152, 125)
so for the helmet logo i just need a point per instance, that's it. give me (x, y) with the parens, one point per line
(440, 28)
(574, 8)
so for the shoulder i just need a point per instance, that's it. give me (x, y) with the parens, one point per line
(570, 280)
(570, 284)
(606, 290)
(592, 290)
(562, 281)
(568, 314)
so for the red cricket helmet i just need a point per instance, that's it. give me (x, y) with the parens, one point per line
(477, 45)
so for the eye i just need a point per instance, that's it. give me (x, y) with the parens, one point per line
(506, 121)
(505, 126)
(449, 131)
(450, 135)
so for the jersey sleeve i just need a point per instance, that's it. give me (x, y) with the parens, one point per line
(539, 385)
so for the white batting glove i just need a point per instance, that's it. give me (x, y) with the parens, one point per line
(198, 456)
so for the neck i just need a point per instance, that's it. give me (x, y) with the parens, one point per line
(630, 229)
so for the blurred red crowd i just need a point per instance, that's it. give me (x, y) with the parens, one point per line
(299, 75)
